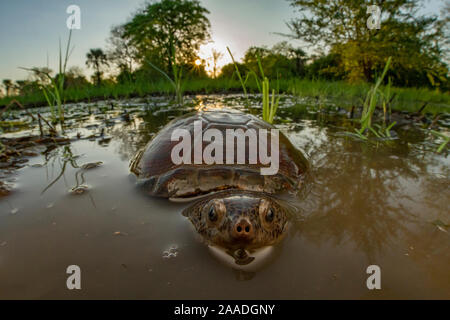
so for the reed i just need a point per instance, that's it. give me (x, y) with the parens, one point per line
(373, 96)
(269, 103)
(445, 139)
(54, 91)
(177, 76)
(339, 92)
(244, 88)
(371, 101)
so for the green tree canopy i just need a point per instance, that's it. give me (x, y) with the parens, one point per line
(167, 27)
(282, 60)
(414, 42)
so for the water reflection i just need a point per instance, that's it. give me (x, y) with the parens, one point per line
(371, 196)
(362, 194)
(62, 156)
(366, 204)
(65, 156)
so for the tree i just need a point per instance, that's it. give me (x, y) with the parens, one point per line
(228, 71)
(445, 27)
(96, 59)
(75, 78)
(27, 87)
(325, 67)
(340, 26)
(122, 52)
(169, 31)
(251, 59)
(297, 55)
(216, 56)
(7, 83)
(280, 61)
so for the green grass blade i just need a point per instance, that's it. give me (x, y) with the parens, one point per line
(260, 66)
(238, 73)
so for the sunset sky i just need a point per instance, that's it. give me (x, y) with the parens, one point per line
(30, 29)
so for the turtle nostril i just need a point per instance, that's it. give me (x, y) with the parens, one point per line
(243, 229)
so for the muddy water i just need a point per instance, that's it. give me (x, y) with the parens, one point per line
(384, 204)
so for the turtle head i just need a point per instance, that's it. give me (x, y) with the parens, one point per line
(240, 223)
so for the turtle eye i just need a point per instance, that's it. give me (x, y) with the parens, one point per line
(212, 215)
(269, 215)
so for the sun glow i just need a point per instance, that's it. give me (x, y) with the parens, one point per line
(206, 54)
(198, 62)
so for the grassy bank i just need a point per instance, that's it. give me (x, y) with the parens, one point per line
(341, 93)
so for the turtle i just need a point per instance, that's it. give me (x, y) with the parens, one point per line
(234, 207)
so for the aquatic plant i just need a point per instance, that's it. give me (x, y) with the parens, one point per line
(13, 123)
(372, 98)
(340, 92)
(445, 139)
(177, 76)
(387, 99)
(244, 88)
(269, 106)
(54, 91)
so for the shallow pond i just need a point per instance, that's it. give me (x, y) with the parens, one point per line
(384, 203)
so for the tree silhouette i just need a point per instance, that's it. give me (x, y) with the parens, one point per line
(7, 83)
(96, 59)
(216, 55)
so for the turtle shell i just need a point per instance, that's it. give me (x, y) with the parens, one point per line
(161, 177)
